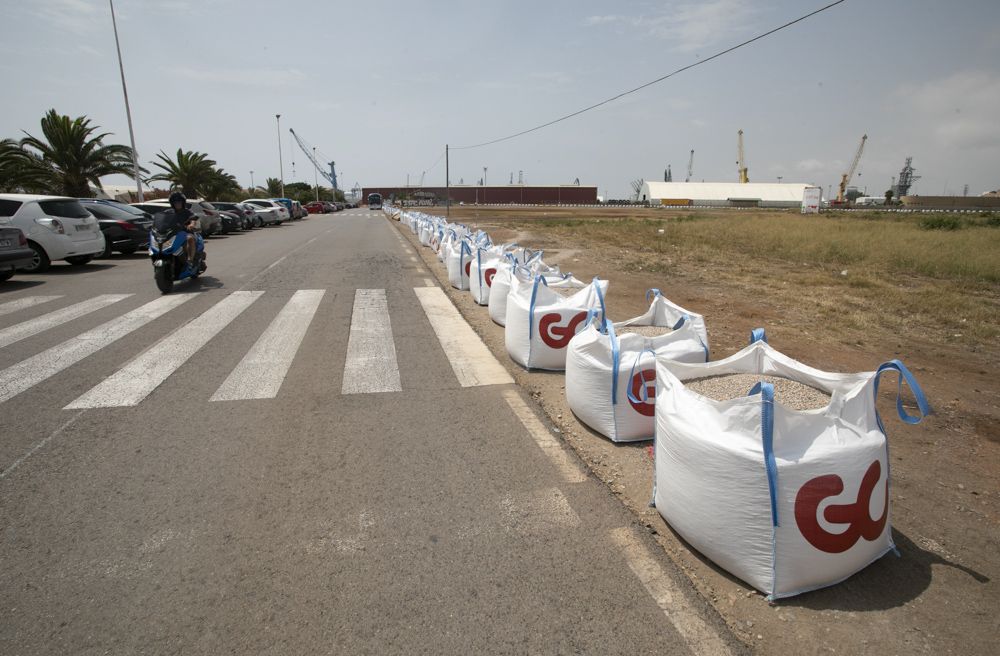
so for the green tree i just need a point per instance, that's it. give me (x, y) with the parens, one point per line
(222, 186)
(12, 166)
(70, 157)
(192, 172)
(273, 188)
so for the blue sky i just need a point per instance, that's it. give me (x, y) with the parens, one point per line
(380, 86)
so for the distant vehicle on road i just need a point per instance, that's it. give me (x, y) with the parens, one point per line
(374, 201)
(57, 228)
(14, 252)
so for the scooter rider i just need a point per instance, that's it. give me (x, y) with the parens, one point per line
(184, 220)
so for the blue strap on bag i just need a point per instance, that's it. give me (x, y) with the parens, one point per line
(918, 393)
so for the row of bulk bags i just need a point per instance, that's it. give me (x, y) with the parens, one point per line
(788, 501)
(487, 261)
(540, 322)
(610, 376)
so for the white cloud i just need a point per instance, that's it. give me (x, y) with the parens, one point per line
(810, 165)
(959, 111)
(260, 77)
(76, 16)
(690, 26)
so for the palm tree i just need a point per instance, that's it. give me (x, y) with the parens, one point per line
(12, 161)
(71, 156)
(222, 186)
(273, 187)
(191, 172)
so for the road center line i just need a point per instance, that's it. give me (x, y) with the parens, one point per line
(30, 452)
(549, 445)
(701, 638)
(471, 360)
(371, 354)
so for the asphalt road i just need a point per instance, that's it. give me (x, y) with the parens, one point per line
(224, 475)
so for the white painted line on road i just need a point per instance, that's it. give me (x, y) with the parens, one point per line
(137, 379)
(282, 259)
(701, 638)
(23, 303)
(51, 436)
(275, 263)
(429, 283)
(471, 360)
(32, 327)
(262, 370)
(557, 454)
(371, 355)
(28, 373)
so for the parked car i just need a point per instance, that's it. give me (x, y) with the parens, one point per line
(283, 213)
(316, 207)
(243, 212)
(230, 222)
(56, 227)
(287, 204)
(14, 251)
(208, 217)
(299, 209)
(262, 216)
(124, 231)
(340, 206)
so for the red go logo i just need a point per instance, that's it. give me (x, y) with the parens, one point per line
(488, 276)
(855, 515)
(557, 336)
(644, 379)
(468, 268)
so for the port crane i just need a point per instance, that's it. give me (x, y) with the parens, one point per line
(690, 167)
(845, 178)
(740, 164)
(330, 176)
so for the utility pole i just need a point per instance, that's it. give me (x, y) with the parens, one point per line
(128, 110)
(316, 175)
(447, 182)
(252, 186)
(484, 185)
(281, 164)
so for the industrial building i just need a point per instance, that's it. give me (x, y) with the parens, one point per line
(496, 194)
(722, 194)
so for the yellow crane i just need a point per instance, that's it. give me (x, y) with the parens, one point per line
(844, 179)
(740, 164)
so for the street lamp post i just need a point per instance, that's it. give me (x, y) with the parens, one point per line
(779, 179)
(484, 185)
(128, 110)
(315, 175)
(281, 164)
(252, 185)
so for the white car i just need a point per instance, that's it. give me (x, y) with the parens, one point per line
(283, 213)
(57, 228)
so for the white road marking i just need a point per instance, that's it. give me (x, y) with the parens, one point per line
(275, 263)
(471, 360)
(701, 638)
(429, 283)
(32, 327)
(26, 302)
(51, 436)
(371, 354)
(262, 370)
(28, 373)
(137, 379)
(558, 455)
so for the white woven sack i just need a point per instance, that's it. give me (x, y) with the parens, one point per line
(610, 376)
(502, 283)
(458, 260)
(788, 501)
(541, 322)
(483, 269)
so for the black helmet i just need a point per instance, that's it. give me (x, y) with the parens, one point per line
(177, 196)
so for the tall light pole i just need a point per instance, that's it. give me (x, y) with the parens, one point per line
(281, 164)
(128, 110)
(484, 185)
(252, 185)
(315, 175)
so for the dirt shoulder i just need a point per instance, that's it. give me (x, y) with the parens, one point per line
(941, 594)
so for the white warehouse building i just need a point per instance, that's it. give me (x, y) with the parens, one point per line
(723, 194)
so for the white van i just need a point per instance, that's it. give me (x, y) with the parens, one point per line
(57, 228)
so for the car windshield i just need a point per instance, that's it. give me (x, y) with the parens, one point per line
(122, 206)
(68, 208)
(225, 206)
(259, 203)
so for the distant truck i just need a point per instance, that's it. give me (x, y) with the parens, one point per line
(374, 201)
(869, 201)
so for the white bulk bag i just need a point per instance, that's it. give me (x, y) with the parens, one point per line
(458, 260)
(788, 501)
(484, 268)
(610, 376)
(502, 281)
(541, 322)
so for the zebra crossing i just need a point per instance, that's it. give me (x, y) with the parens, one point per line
(370, 364)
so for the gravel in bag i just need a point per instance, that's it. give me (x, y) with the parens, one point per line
(788, 393)
(645, 331)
